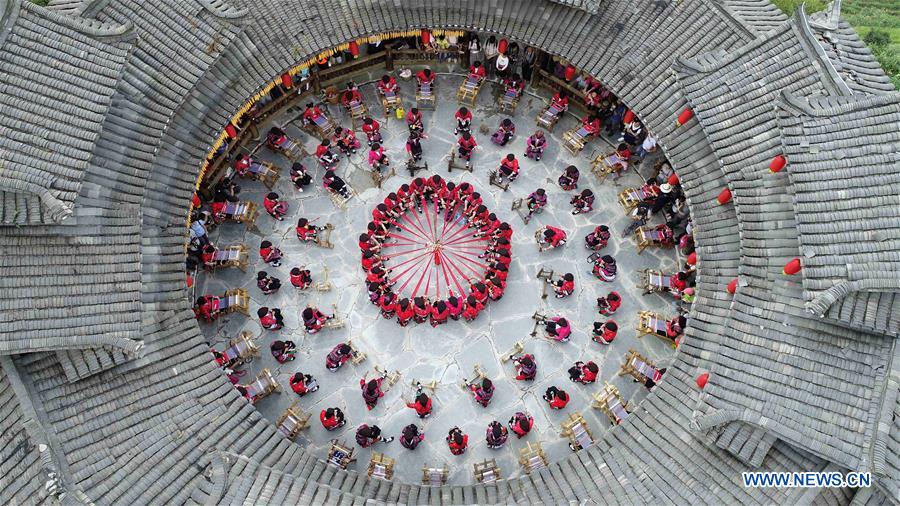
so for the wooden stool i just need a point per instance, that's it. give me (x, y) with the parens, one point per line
(486, 471)
(381, 467)
(532, 458)
(611, 403)
(548, 117)
(434, 476)
(292, 421)
(575, 428)
(230, 256)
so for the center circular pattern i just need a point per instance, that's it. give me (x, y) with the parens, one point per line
(435, 252)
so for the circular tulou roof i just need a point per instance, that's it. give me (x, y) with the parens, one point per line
(109, 108)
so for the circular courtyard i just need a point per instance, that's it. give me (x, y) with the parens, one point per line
(430, 256)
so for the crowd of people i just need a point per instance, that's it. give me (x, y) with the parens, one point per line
(449, 200)
(661, 195)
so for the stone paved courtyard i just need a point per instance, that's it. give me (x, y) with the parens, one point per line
(447, 353)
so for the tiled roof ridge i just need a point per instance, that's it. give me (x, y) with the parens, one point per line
(835, 280)
(799, 23)
(830, 18)
(90, 27)
(223, 9)
(830, 106)
(835, 82)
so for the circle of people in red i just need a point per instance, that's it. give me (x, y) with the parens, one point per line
(449, 198)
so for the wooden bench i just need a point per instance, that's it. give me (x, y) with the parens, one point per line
(390, 101)
(507, 101)
(241, 349)
(576, 139)
(235, 300)
(340, 454)
(540, 319)
(495, 180)
(519, 205)
(532, 458)
(323, 237)
(425, 96)
(339, 201)
(655, 324)
(236, 255)
(517, 348)
(381, 467)
(292, 149)
(357, 357)
(654, 281)
(549, 117)
(545, 276)
(292, 421)
(378, 177)
(435, 476)
(413, 168)
(336, 322)
(241, 212)
(266, 172)
(323, 127)
(575, 428)
(261, 387)
(651, 236)
(478, 375)
(451, 163)
(611, 403)
(390, 378)
(468, 91)
(638, 367)
(605, 164)
(324, 285)
(358, 111)
(486, 471)
(629, 198)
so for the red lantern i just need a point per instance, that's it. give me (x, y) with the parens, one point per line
(190, 281)
(702, 380)
(570, 72)
(354, 48)
(724, 197)
(230, 131)
(286, 80)
(426, 37)
(502, 46)
(792, 267)
(629, 116)
(692, 258)
(777, 163)
(685, 115)
(673, 179)
(732, 287)
(195, 200)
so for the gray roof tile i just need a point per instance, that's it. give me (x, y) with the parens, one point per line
(128, 432)
(847, 148)
(57, 86)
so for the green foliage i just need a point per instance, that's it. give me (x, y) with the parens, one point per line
(790, 6)
(889, 58)
(877, 21)
(42, 3)
(877, 38)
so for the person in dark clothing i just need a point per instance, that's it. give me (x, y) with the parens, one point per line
(496, 435)
(367, 435)
(411, 436)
